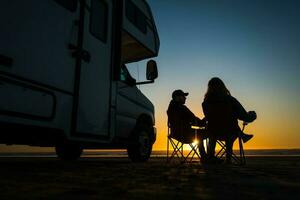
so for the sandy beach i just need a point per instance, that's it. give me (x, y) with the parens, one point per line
(272, 177)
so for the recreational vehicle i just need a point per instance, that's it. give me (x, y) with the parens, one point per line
(64, 82)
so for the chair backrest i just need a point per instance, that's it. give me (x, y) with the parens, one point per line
(220, 117)
(180, 129)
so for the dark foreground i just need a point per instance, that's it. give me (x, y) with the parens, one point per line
(118, 178)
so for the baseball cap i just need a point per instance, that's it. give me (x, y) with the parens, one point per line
(177, 93)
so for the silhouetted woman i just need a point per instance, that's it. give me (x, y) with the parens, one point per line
(222, 112)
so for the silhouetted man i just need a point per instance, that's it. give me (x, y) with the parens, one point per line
(180, 120)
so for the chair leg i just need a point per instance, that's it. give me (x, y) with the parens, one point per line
(196, 150)
(242, 153)
(186, 157)
(168, 149)
(223, 149)
(238, 159)
(191, 154)
(176, 149)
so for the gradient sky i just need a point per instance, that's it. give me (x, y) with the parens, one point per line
(253, 46)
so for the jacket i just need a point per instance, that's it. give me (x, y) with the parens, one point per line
(180, 119)
(223, 113)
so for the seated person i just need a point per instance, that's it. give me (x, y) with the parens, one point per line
(180, 120)
(222, 112)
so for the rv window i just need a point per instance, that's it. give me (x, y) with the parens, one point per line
(136, 16)
(68, 4)
(98, 19)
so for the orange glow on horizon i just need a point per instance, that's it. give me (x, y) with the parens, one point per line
(269, 133)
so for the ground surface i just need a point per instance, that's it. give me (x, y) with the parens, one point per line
(118, 178)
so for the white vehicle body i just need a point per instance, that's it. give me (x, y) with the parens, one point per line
(62, 71)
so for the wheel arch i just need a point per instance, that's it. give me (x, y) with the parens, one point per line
(145, 119)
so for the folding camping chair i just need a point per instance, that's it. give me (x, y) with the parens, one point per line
(220, 123)
(175, 148)
(239, 158)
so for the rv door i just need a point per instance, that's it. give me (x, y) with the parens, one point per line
(95, 76)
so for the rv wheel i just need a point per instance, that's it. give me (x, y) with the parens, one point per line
(68, 151)
(141, 147)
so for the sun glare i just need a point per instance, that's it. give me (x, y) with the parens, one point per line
(195, 142)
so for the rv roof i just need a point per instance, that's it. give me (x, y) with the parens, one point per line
(140, 38)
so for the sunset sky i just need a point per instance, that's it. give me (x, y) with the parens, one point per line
(253, 46)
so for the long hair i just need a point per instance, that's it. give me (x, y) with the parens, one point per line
(216, 88)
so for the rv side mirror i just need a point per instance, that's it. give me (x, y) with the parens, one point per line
(151, 70)
(151, 73)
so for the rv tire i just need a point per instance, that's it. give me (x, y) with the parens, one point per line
(140, 148)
